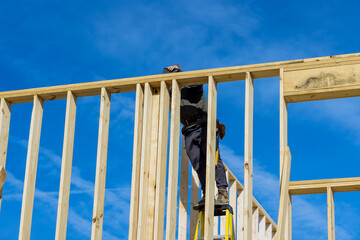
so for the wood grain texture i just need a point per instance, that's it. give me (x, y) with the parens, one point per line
(210, 159)
(184, 189)
(248, 155)
(66, 165)
(101, 163)
(173, 162)
(135, 179)
(154, 138)
(161, 163)
(284, 196)
(194, 198)
(262, 70)
(3, 176)
(330, 214)
(320, 186)
(5, 113)
(255, 223)
(145, 161)
(31, 168)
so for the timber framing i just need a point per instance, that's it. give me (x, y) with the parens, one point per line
(320, 186)
(227, 74)
(300, 80)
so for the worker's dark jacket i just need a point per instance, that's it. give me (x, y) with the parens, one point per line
(193, 115)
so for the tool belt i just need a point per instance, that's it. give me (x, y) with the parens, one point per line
(189, 123)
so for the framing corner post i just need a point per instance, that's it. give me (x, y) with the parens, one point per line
(66, 165)
(31, 167)
(135, 179)
(330, 213)
(248, 156)
(101, 162)
(5, 112)
(3, 176)
(210, 159)
(173, 161)
(283, 216)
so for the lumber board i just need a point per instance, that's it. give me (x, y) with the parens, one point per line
(194, 198)
(66, 165)
(153, 163)
(262, 226)
(262, 70)
(255, 223)
(322, 83)
(145, 163)
(31, 168)
(173, 161)
(183, 198)
(284, 196)
(3, 176)
(233, 198)
(248, 155)
(240, 215)
(320, 186)
(269, 231)
(101, 163)
(330, 213)
(5, 113)
(135, 179)
(210, 159)
(161, 163)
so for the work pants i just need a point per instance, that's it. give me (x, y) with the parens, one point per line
(195, 144)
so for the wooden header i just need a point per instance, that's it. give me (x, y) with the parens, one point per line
(320, 186)
(263, 70)
(328, 82)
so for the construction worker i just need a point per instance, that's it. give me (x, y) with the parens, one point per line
(193, 116)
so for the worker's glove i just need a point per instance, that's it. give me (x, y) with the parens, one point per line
(221, 128)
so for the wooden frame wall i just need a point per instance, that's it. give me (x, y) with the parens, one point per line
(306, 83)
(310, 82)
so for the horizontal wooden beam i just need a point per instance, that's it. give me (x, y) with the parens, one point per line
(320, 186)
(227, 74)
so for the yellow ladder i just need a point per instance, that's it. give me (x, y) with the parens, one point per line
(220, 210)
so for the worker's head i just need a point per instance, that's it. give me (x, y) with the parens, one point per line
(172, 69)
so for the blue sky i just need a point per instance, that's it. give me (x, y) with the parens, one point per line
(45, 43)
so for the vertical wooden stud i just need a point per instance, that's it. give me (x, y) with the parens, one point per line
(283, 145)
(240, 214)
(195, 187)
(135, 179)
(66, 165)
(210, 159)
(255, 223)
(101, 162)
(31, 167)
(161, 163)
(150, 215)
(269, 231)
(248, 154)
(5, 112)
(183, 199)
(330, 213)
(145, 162)
(173, 161)
(262, 226)
(284, 195)
(233, 196)
(216, 218)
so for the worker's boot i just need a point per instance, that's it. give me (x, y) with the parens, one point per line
(199, 204)
(222, 197)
